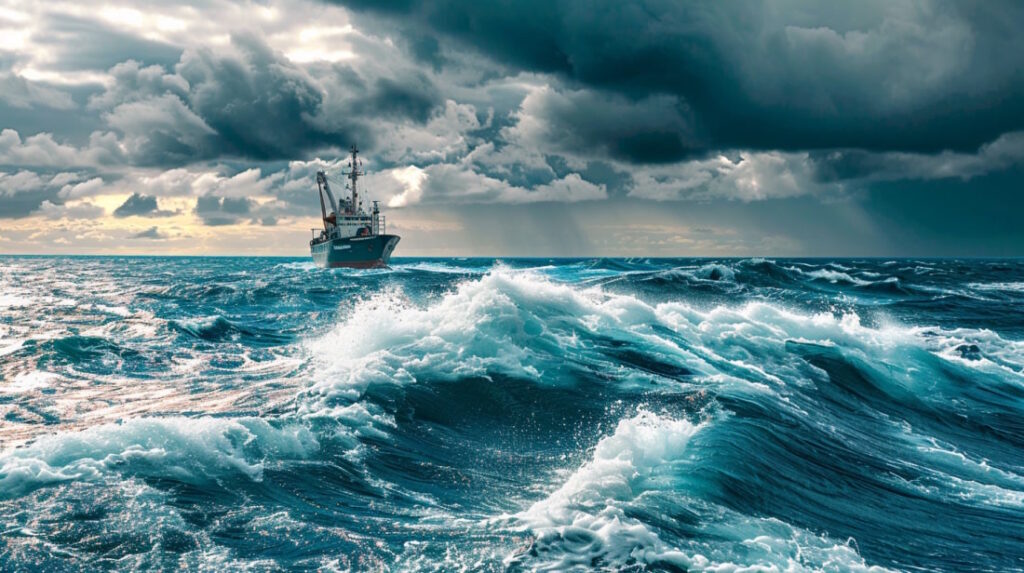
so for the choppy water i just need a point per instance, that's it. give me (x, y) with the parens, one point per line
(666, 415)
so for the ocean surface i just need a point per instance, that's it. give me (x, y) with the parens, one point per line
(511, 415)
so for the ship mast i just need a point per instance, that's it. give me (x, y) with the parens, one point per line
(353, 176)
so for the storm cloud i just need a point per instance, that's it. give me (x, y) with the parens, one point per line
(770, 74)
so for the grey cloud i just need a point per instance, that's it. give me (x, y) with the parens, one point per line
(163, 131)
(854, 164)
(55, 211)
(259, 104)
(248, 101)
(152, 233)
(245, 101)
(76, 43)
(216, 211)
(42, 150)
(24, 204)
(413, 97)
(602, 173)
(22, 193)
(131, 81)
(140, 205)
(426, 49)
(655, 129)
(20, 182)
(21, 93)
(462, 184)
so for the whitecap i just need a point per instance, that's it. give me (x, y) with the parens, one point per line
(29, 381)
(193, 450)
(1014, 287)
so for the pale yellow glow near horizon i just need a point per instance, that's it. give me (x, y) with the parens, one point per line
(425, 231)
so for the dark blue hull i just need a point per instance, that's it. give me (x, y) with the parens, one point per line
(354, 252)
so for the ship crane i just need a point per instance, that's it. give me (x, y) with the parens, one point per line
(323, 186)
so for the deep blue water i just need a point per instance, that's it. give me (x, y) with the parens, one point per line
(517, 415)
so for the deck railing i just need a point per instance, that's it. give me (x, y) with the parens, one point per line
(378, 226)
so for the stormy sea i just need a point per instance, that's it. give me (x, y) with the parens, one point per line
(261, 414)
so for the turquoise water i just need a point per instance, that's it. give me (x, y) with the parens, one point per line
(511, 415)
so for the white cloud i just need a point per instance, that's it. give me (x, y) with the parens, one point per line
(411, 179)
(752, 176)
(569, 189)
(459, 183)
(88, 188)
(74, 210)
(42, 150)
(442, 138)
(19, 182)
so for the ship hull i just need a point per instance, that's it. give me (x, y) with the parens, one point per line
(354, 252)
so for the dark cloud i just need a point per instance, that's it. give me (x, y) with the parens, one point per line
(24, 204)
(259, 104)
(655, 129)
(427, 50)
(856, 164)
(246, 102)
(142, 205)
(616, 182)
(250, 102)
(150, 233)
(413, 97)
(921, 76)
(23, 192)
(216, 211)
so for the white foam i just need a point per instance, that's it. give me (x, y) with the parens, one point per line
(831, 276)
(439, 267)
(120, 310)
(998, 286)
(297, 265)
(194, 450)
(9, 300)
(29, 381)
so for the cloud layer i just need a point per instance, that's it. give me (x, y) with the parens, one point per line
(167, 123)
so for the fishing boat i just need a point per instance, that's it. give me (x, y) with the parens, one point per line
(350, 236)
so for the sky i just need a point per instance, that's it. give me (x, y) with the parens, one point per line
(532, 128)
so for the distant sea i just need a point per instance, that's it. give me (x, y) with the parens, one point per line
(261, 414)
